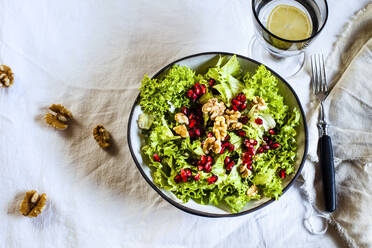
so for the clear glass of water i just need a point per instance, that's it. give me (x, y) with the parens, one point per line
(283, 30)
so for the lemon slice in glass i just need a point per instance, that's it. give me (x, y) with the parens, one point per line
(289, 22)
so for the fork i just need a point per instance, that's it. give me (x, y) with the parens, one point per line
(320, 90)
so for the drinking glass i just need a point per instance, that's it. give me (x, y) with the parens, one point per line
(286, 56)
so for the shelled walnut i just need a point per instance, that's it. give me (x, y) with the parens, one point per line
(259, 102)
(33, 204)
(252, 191)
(102, 136)
(244, 171)
(211, 144)
(182, 131)
(220, 128)
(60, 117)
(6, 76)
(214, 108)
(181, 118)
(232, 119)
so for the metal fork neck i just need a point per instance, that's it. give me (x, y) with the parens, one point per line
(322, 124)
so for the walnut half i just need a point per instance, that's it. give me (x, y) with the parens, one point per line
(181, 130)
(214, 108)
(60, 117)
(244, 171)
(211, 144)
(232, 119)
(102, 136)
(6, 76)
(33, 204)
(220, 128)
(259, 102)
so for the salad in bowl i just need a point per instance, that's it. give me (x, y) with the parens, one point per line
(224, 137)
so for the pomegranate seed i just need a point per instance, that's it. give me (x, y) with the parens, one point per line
(260, 150)
(266, 147)
(275, 145)
(272, 132)
(197, 91)
(184, 110)
(227, 138)
(192, 123)
(243, 106)
(197, 85)
(177, 179)
(183, 175)
(282, 173)
(247, 156)
(247, 143)
(188, 172)
(194, 97)
(258, 121)
(211, 82)
(212, 179)
(208, 167)
(197, 132)
(265, 138)
(222, 149)
(156, 157)
(249, 167)
(209, 159)
(210, 134)
(203, 89)
(226, 144)
(242, 97)
(244, 120)
(200, 167)
(251, 150)
(190, 93)
(227, 160)
(236, 102)
(231, 147)
(202, 144)
(234, 108)
(230, 165)
(191, 116)
(191, 133)
(270, 142)
(203, 159)
(197, 177)
(241, 133)
(253, 142)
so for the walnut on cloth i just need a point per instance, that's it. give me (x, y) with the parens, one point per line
(232, 119)
(60, 117)
(212, 144)
(33, 204)
(6, 76)
(181, 130)
(102, 136)
(214, 108)
(220, 128)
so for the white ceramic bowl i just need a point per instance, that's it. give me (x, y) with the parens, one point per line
(200, 63)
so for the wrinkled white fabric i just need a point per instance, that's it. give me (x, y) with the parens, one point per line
(90, 56)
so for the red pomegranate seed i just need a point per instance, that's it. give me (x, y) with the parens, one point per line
(269, 142)
(177, 179)
(242, 97)
(243, 106)
(190, 93)
(282, 173)
(236, 102)
(203, 159)
(230, 165)
(197, 132)
(272, 132)
(197, 177)
(192, 123)
(183, 175)
(202, 144)
(260, 150)
(222, 149)
(244, 120)
(184, 110)
(265, 138)
(208, 167)
(191, 116)
(235, 108)
(211, 82)
(266, 147)
(253, 142)
(226, 144)
(203, 89)
(258, 121)
(156, 157)
(197, 91)
(210, 134)
(188, 172)
(231, 147)
(197, 85)
(200, 167)
(209, 159)
(194, 97)
(227, 138)
(249, 166)
(191, 133)
(275, 145)
(212, 179)
(247, 143)
(227, 160)
(241, 133)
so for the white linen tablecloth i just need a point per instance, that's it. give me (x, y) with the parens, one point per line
(90, 56)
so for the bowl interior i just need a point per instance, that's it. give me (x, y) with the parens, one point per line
(200, 63)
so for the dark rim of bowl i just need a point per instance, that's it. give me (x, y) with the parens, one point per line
(291, 41)
(197, 212)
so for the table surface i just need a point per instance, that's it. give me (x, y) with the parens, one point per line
(69, 40)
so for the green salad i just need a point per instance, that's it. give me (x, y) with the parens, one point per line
(223, 138)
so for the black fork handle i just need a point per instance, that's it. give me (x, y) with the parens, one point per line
(328, 172)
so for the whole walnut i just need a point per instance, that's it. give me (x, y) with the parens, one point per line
(6, 76)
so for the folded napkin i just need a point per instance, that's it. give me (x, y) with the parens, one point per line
(349, 111)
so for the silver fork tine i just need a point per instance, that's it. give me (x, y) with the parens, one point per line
(313, 76)
(317, 70)
(324, 79)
